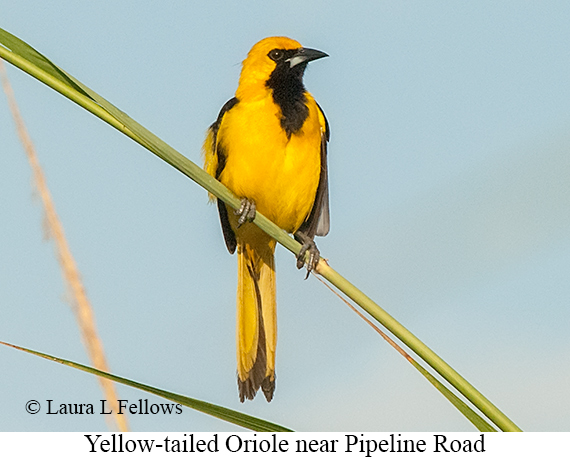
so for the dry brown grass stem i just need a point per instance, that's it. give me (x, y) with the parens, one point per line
(77, 295)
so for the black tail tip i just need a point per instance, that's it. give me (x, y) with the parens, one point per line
(268, 388)
(248, 389)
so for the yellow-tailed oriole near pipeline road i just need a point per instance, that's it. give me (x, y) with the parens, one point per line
(269, 146)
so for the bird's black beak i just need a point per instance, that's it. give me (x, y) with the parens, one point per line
(305, 55)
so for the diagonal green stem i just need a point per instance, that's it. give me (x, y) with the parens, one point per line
(229, 415)
(424, 352)
(75, 91)
(471, 415)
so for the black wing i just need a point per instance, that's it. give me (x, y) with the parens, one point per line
(229, 235)
(318, 222)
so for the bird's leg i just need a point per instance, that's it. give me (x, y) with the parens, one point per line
(246, 211)
(310, 247)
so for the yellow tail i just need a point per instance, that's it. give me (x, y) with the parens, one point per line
(256, 317)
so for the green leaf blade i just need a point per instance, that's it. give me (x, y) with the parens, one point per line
(23, 49)
(226, 414)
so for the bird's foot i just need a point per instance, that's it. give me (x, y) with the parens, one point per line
(246, 211)
(310, 247)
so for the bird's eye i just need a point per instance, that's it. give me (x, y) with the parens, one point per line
(276, 55)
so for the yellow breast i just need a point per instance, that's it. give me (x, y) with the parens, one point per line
(280, 174)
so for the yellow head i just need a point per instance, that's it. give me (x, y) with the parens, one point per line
(273, 59)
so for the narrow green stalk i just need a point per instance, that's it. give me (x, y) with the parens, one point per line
(471, 415)
(80, 94)
(424, 352)
(412, 342)
(229, 415)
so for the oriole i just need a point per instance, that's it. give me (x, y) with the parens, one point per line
(269, 146)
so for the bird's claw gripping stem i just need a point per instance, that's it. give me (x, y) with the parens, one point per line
(246, 211)
(310, 247)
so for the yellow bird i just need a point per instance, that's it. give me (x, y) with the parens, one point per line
(269, 146)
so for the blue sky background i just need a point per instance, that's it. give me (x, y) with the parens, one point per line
(450, 197)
